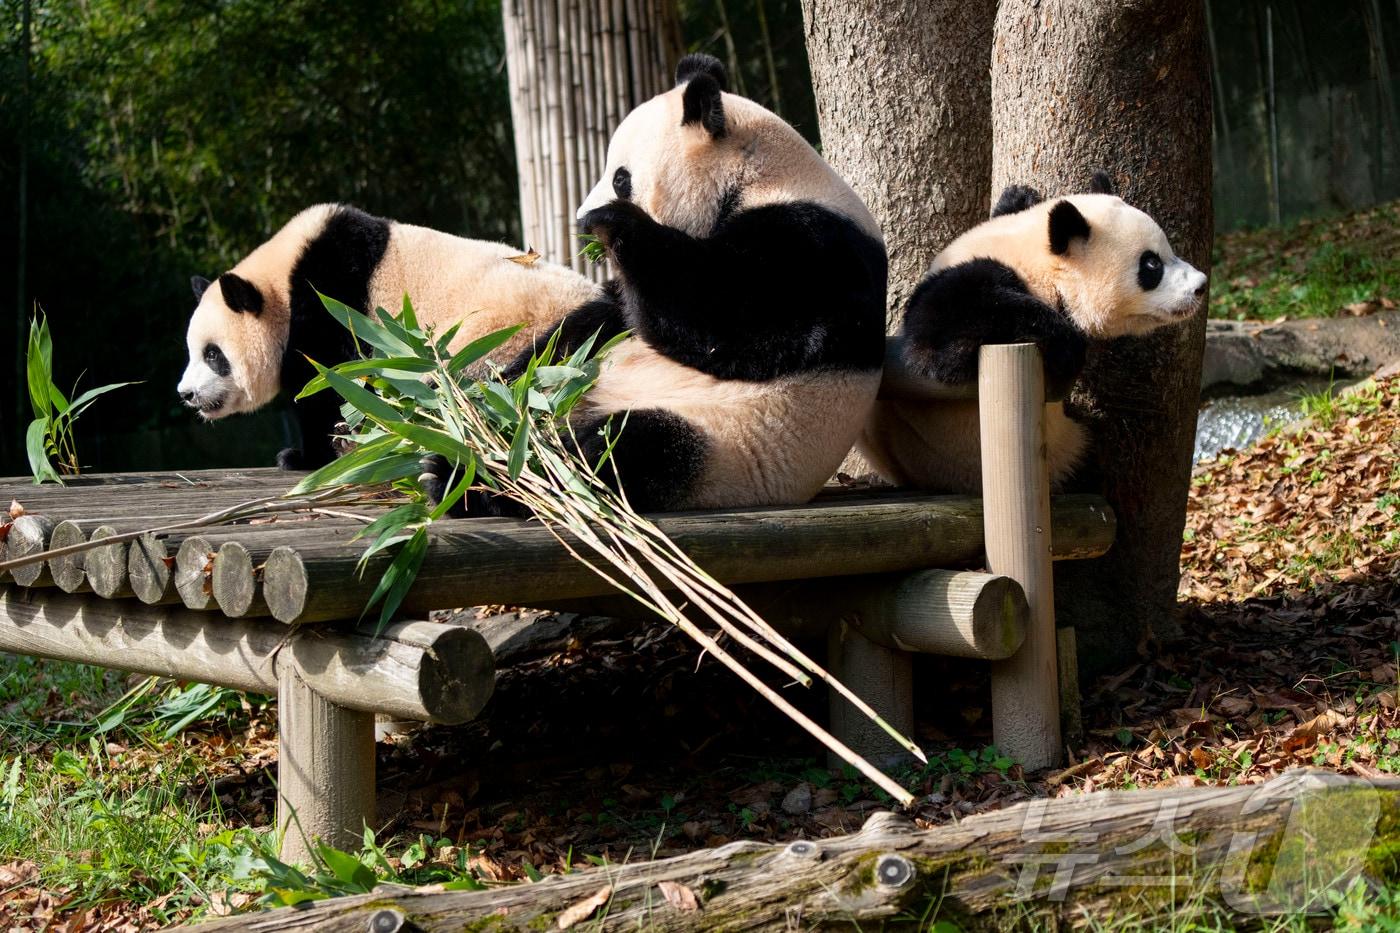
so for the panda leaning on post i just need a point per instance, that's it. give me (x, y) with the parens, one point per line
(1058, 273)
(254, 326)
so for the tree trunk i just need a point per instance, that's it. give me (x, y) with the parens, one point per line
(1046, 864)
(1125, 86)
(903, 102)
(577, 67)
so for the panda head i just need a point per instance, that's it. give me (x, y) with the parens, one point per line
(691, 154)
(235, 340)
(1113, 267)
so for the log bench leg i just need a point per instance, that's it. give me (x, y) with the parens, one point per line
(325, 770)
(881, 676)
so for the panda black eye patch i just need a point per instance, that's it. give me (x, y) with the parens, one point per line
(622, 184)
(214, 358)
(1149, 270)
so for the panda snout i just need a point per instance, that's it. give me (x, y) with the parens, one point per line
(187, 396)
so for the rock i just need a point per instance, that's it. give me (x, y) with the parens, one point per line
(1261, 354)
(798, 800)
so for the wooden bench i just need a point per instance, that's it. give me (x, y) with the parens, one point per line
(264, 606)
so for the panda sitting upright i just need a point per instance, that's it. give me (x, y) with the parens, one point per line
(753, 281)
(1057, 273)
(254, 326)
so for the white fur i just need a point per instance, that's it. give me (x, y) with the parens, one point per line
(936, 445)
(448, 278)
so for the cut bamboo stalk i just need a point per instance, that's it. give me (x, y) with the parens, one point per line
(30, 534)
(1016, 491)
(194, 573)
(236, 583)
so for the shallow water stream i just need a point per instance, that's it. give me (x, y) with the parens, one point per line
(1238, 420)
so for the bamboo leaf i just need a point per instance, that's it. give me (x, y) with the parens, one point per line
(363, 399)
(365, 328)
(39, 464)
(398, 579)
(407, 364)
(480, 347)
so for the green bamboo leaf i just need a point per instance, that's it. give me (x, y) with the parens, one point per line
(331, 474)
(445, 340)
(434, 441)
(34, 445)
(519, 447)
(398, 578)
(410, 319)
(414, 341)
(480, 347)
(38, 368)
(458, 491)
(363, 399)
(407, 364)
(365, 328)
(78, 404)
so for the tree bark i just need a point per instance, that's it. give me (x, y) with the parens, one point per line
(1079, 85)
(1047, 864)
(903, 102)
(577, 67)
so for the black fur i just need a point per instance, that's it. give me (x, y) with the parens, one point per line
(214, 358)
(1102, 183)
(957, 310)
(701, 103)
(1015, 199)
(622, 183)
(602, 315)
(239, 294)
(1066, 224)
(1150, 270)
(774, 290)
(701, 64)
(338, 262)
(659, 456)
(199, 285)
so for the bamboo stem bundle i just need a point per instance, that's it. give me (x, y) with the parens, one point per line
(576, 68)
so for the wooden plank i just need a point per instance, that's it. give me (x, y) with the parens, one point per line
(1016, 488)
(471, 562)
(1252, 851)
(415, 670)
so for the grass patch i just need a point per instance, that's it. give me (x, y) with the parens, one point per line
(1312, 268)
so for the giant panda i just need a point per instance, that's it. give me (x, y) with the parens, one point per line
(1059, 273)
(752, 279)
(252, 325)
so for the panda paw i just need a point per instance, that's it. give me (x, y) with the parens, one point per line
(433, 481)
(952, 363)
(613, 221)
(291, 458)
(1063, 357)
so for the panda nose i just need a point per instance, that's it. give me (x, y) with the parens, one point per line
(187, 395)
(1201, 289)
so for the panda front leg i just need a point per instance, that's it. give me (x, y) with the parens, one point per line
(316, 417)
(958, 310)
(657, 458)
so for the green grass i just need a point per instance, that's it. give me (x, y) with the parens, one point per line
(1312, 268)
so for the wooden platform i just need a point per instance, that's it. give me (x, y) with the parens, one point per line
(270, 603)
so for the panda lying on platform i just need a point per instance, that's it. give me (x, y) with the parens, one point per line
(253, 324)
(1058, 273)
(753, 281)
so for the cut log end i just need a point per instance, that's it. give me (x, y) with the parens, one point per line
(30, 534)
(68, 571)
(106, 566)
(235, 585)
(149, 566)
(193, 576)
(285, 584)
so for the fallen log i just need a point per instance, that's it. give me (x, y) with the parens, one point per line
(1248, 850)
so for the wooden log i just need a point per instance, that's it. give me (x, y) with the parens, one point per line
(184, 477)
(194, 573)
(237, 583)
(325, 771)
(150, 568)
(106, 566)
(67, 571)
(519, 563)
(1046, 864)
(1071, 713)
(29, 534)
(961, 614)
(413, 670)
(882, 677)
(1016, 490)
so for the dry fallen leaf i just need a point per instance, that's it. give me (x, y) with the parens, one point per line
(16, 510)
(584, 908)
(678, 895)
(528, 258)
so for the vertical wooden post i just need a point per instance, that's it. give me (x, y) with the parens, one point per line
(882, 677)
(1016, 509)
(325, 770)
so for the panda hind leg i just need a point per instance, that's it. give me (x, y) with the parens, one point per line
(658, 457)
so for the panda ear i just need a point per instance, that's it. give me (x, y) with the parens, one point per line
(703, 104)
(198, 284)
(240, 294)
(699, 64)
(1102, 183)
(1066, 225)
